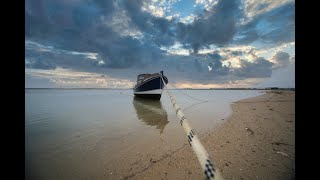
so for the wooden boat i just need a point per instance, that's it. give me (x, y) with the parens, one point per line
(150, 85)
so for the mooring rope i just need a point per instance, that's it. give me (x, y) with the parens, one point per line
(189, 95)
(122, 92)
(209, 169)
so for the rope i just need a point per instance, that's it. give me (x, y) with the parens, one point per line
(192, 105)
(188, 95)
(121, 92)
(209, 170)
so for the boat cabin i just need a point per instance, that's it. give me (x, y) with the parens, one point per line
(142, 77)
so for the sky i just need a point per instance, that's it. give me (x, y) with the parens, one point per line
(197, 43)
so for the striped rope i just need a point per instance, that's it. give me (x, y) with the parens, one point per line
(209, 170)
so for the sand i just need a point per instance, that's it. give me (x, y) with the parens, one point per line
(256, 142)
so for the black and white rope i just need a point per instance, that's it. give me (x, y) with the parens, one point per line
(209, 170)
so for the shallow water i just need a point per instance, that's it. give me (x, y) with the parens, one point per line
(98, 134)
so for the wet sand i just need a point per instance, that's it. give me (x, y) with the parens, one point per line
(256, 142)
(107, 134)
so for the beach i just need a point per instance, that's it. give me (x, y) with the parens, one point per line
(257, 141)
(249, 134)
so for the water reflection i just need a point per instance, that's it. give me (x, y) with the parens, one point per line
(151, 113)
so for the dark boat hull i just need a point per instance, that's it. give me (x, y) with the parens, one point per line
(149, 96)
(151, 88)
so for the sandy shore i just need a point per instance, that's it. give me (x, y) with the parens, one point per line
(256, 142)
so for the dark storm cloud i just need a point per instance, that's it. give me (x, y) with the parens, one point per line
(75, 27)
(259, 68)
(157, 29)
(217, 26)
(58, 22)
(49, 20)
(194, 68)
(107, 7)
(87, 33)
(215, 65)
(275, 26)
(234, 53)
(201, 67)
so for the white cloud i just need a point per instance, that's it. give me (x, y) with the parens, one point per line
(206, 51)
(183, 52)
(65, 78)
(32, 45)
(188, 19)
(234, 62)
(253, 8)
(101, 62)
(207, 4)
(177, 15)
(156, 11)
(176, 49)
(158, 8)
(269, 52)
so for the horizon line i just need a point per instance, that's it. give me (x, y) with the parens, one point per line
(266, 88)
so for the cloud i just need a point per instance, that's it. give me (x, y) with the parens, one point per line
(216, 26)
(117, 51)
(273, 27)
(121, 23)
(123, 38)
(254, 8)
(259, 68)
(188, 19)
(73, 79)
(268, 52)
(157, 30)
(207, 4)
(281, 59)
(293, 59)
(125, 35)
(159, 7)
(283, 78)
(156, 11)
(39, 56)
(40, 64)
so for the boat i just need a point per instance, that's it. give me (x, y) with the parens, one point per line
(151, 113)
(150, 86)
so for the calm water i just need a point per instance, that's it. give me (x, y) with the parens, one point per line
(99, 134)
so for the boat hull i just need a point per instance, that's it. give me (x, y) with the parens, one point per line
(149, 96)
(151, 89)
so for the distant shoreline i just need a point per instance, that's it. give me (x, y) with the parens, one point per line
(290, 89)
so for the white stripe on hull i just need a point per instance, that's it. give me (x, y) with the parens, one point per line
(154, 91)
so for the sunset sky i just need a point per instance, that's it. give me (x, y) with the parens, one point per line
(197, 43)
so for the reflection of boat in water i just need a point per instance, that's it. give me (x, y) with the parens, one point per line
(151, 112)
